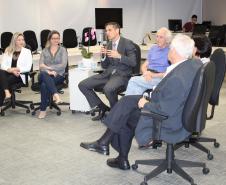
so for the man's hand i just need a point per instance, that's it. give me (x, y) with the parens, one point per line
(147, 75)
(103, 50)
(142, 102)
(113, 54)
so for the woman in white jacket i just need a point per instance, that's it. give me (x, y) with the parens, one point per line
(15, 61)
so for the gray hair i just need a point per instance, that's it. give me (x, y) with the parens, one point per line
(184, 45)
(167, 33)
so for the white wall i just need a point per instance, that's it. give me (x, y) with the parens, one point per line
(139, 16)
(214, 11)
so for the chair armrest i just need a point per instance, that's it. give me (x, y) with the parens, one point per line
(157, 122)
(154, 115)
(26, 78)
(98, 71)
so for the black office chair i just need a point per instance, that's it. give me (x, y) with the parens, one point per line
(87, 32)
(31, 40)
(13, 103)
(135, 72)
(70, 38)
(5, 40)
(218, 58)
(199, 29)
(217, 35)
(193, 118)
(43, 37)
(35, 86)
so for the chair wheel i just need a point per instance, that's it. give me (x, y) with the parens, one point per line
(143, 183)
(134, 166)
(205, 170)
(28, 111)
(58, 113)
(216, 144)
(92, 113)
(33, 113)
(210, 156)
(32, 106)
(2, 113)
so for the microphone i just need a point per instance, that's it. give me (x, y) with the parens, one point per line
(103, 55)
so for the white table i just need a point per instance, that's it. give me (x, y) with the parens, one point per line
(78, 101)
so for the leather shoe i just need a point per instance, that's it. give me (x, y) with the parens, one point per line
(96, 147)
(118, 163)
(153, 143)
(94, 110)
(100, 115)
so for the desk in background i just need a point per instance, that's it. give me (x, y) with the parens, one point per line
(74, 54)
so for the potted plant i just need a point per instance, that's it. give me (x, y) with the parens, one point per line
(87, 59)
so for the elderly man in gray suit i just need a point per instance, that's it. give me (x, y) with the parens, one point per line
(167, 98)
(119, 58)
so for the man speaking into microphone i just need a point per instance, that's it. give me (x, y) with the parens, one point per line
(117, 59)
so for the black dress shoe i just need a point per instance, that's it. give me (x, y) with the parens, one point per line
(100, 115)
(118, 163)
(96, 147)
(94, 110)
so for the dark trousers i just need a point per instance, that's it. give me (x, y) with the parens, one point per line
(110, 85)
(6, 81)
(122, 120)
(48, 87)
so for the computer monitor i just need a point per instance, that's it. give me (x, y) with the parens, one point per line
(207, 24)
(199, 29)
(175, 24)
(105, 15)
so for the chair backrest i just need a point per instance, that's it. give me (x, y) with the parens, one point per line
(194, 112)
(218, 58)
(199, 29)
(43, 37)
(31, 39)
(136, 69)
(70, 38)
(5, 40)
(89, 37)
(216, 35)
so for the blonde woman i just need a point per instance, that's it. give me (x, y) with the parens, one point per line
(52, 65)
(16, 60)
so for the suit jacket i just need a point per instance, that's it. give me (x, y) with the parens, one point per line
(124, 65)
(24, 62)
(169, 98)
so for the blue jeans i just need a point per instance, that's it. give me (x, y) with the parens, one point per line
(137, 85)
(48, 87)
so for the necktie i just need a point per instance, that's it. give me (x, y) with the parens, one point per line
(114, 46)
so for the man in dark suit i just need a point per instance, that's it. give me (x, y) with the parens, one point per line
(119, 56)
(167, 98)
